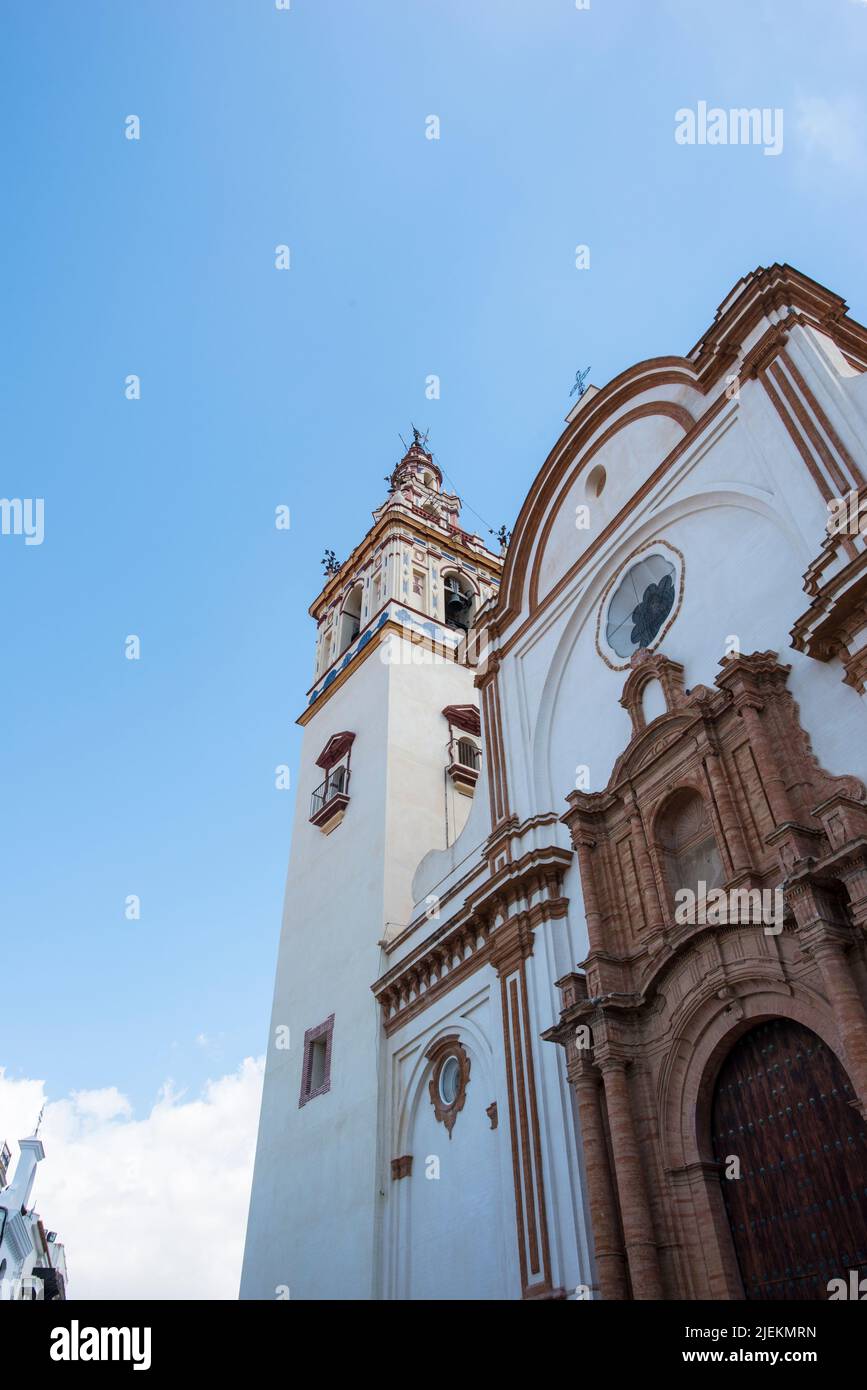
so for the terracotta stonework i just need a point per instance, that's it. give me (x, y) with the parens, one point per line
(650, 1014)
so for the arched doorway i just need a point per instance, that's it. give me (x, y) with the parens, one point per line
(783, 1107)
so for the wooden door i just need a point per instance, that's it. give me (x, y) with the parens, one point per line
(798, 1212)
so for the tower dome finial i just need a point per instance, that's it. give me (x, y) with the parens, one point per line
(417, 464)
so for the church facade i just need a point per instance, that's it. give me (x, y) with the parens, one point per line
(571, 998)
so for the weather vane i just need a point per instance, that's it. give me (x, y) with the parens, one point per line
(580, 378)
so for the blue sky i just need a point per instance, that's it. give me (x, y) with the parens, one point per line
(259, 387)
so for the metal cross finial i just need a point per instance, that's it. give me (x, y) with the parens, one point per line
(419, 438)
(580, 378)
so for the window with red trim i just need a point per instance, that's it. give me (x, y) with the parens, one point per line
(316, 1066)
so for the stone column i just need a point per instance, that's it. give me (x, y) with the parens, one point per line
(853, 873)
(769, 767)
(646, 876)
(824, 936)
(719, 783)
(638, 1233)
(845, 999)
(584, 846)
(608, 1247)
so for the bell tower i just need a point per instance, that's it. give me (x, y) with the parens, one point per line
(389, 761)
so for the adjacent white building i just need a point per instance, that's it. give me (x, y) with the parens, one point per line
(32, 1260)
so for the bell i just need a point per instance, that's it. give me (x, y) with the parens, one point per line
(457, 607)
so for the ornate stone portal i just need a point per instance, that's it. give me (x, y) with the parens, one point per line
(648, 1019)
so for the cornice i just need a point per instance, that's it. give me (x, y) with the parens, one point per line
(360, 655)
(371, 638)
(510, 830)
(764, 294)
(495, 926)
(837, 610)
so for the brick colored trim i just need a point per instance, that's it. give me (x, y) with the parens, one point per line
(322, 1030)
(336, 748)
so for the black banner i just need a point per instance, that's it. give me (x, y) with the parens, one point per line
(160, 1339)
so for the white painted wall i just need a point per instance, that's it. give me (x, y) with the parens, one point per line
(748, 519)
(315, 1190)
(448, 1230)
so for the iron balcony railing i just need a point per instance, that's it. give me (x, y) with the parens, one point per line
(335, 784)
(468, 754)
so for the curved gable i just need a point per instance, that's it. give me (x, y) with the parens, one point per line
(628, 429)
(676, 391)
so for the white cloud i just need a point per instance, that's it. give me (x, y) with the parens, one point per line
(833, 130)
(96, 1107)
(150, 1208)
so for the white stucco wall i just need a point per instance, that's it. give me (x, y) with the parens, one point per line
(748, 519)
(315, 1201)
(448, 1228)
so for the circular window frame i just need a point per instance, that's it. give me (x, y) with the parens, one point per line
(674, 557)
(451, 1067)
(440, 1054)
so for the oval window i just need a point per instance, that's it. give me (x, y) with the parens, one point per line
(450, 1080)
(643, 601)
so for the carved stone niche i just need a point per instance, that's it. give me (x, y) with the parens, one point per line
(646, 668)
(449, 1078)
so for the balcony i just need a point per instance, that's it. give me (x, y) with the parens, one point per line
(330, 799)
(466, 759)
